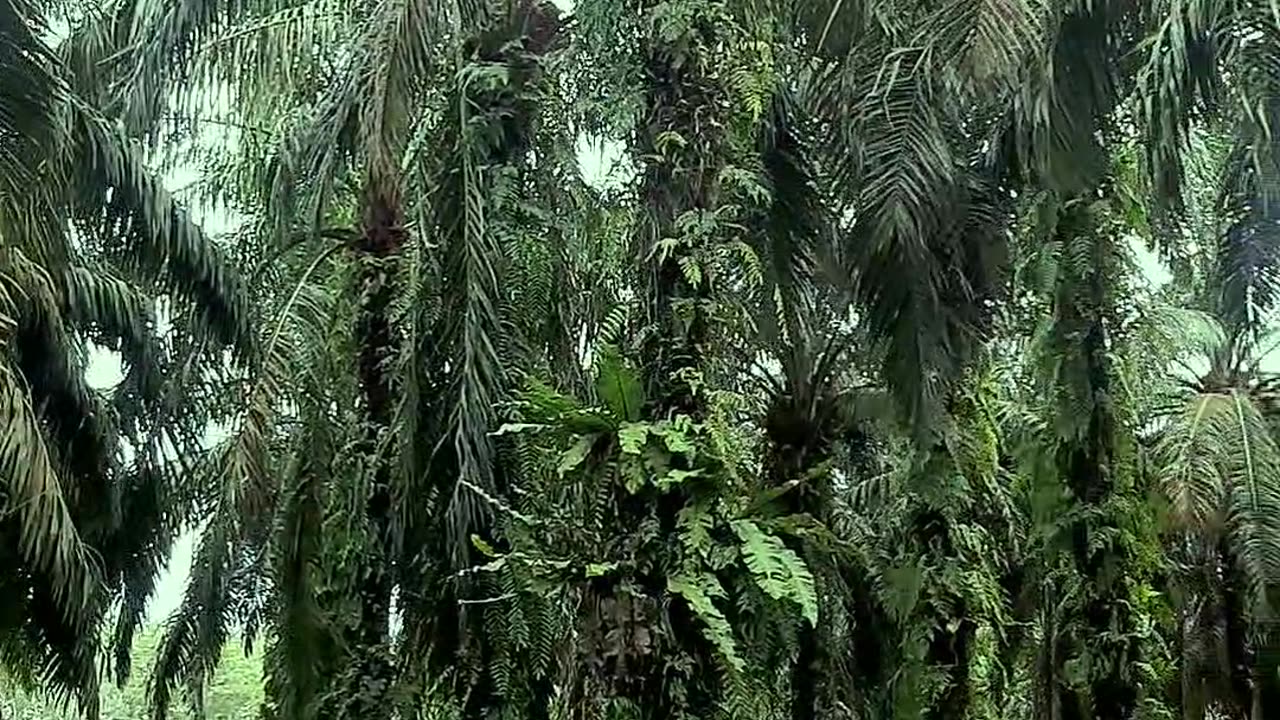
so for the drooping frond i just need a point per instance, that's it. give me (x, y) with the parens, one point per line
(47, 490)
(909, 160)
(163, 41)
(152, 514)
(1220, 469)
(797, 248)
(295, 658)
(29, 98)
(923, 213)
(195, 633)
(137, 222)
(49, 539)
(244, 494)
(1180, 79)
(114, 313)
(488, 130)
(265, 52)
(1075, 83)
(474, 325)
(986, 43)
(1246, 273)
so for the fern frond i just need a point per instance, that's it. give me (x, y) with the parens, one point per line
(700, 592)
(779, 572)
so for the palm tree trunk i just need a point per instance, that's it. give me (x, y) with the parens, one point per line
(1190, 698)
(796, 447)
(680, 99)
(382, 237)
(381, 240)
(1101, 623)
(678, 102)
(808, 676)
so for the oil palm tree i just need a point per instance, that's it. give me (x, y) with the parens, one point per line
(400, 167)
(95, 485)
(1217, 448)
(408, 392)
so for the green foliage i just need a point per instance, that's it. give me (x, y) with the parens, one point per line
(852, 393)
(778, 571)
(701, 592)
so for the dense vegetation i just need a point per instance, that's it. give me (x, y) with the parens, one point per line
(910, 363)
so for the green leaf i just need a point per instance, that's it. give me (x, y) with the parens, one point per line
(632, 437)
(484, 547)
(695, 523)
(676, 477)
(633, 476)
(699, 590)
(675, 434)
(778, 571)
(903, 585)
(600, 569)
(619, 386)
(573, 457)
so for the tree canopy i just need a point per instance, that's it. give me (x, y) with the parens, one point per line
(914, 362)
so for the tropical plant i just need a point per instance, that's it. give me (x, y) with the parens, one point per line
(847, 396)
(95, 253)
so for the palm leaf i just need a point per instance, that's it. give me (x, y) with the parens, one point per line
(243, 506)
(29, 99)
(138, 223)
(473, 325)
(48, 537)
(1221, 472)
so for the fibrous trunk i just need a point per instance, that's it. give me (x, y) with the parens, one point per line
(381, 240)
(797, 447)
(1103, 626)
(678, 673)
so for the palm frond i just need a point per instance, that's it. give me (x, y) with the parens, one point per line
(164, 40)
(297, 654)
(1221, 471)
(93, 52)
(31, 97)
(117, 315)
(268, 53)
(1179, 80)
(38, 342)
(1246, 273)
(986, 43)
(797, 248)
(50, 360)
(474, 325)
(194, 635)
(401, 54)
(244, 499)
(1054, 118)
(908, 159)
(138, 223)
(64, 653)
(48, 537)
(151, 517)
